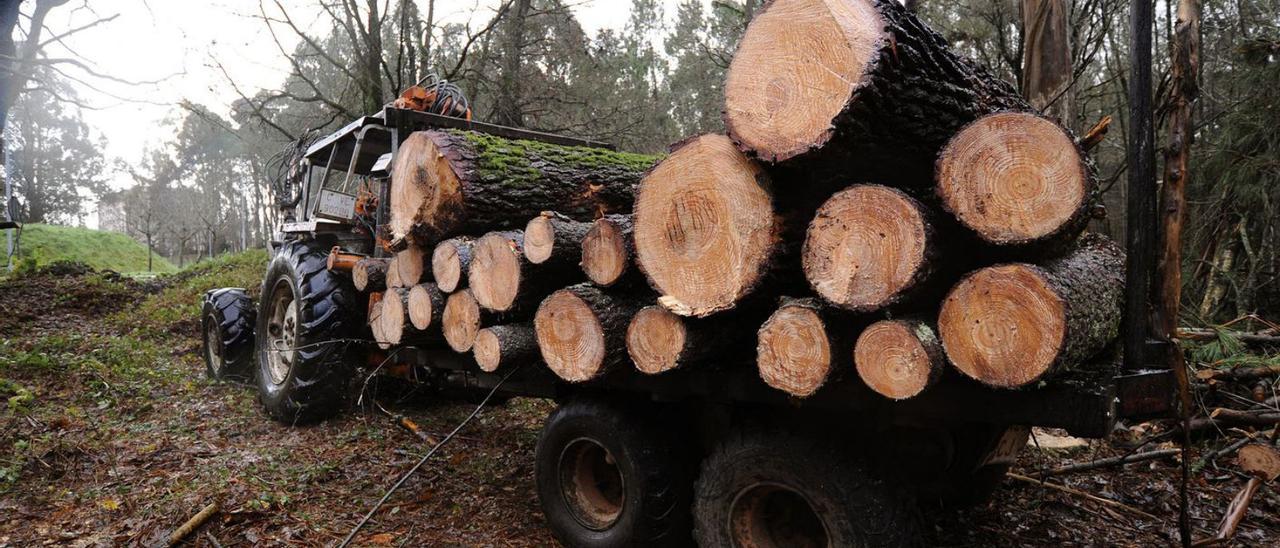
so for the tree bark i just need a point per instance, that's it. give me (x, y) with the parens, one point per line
(505, 345)
(581, 331)
(801, 346)
(1017, 179)
(875, 83)
(869, 247)
(426, 306)
(899, 359)
(503, 280)
(445, 182)
(554, 237)
(705, 229)
(370, 274)
(608, 249)
(1047, 73)
(1012, 325)
(450, 261)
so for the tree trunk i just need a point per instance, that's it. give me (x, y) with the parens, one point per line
(1012, 325)
(705, 229)
(450, 261)
(899, 359)
(505, 345)
(800, 347)
(840, 86)
(503, 280)
(1047, 73)
(1017, 179)
(426, 306)
(582, 331)
(370, 275)
(868, 247)
(445, 182)
(608, 249)
(553, 237)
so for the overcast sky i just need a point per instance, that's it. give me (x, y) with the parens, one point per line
(173, 42)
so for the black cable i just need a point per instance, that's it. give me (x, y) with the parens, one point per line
(424, 458)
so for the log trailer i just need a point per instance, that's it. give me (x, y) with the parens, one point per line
(703, 393)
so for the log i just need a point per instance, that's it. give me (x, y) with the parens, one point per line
(340, 261)
(1011, 325)
(446, 182)
(899, 359)
(450, 261)
(607, 250)
(705, 230)
(370, 275)
(868, 247)
(1017, 179)
(411, 264)
(393, 273)
(581, 331)
(552, 236)
(426, 306)
(659, 341)
(396, 327)
(503, 280)
(839, 86)
(1260, 460)
(375, 320)
(461, 320)
(505, 345)
(798, 348)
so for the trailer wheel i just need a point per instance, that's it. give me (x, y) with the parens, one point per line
(306, 322)
(771, 489)
(607, 475)
(226, 322)
(983, 455)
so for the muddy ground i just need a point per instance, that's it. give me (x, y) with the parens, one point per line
(111, 435)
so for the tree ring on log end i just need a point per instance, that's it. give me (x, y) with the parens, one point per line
(604, 253)
(1003, 325)
(570, 337)
(1013, 177)
(461, 321)
(655, 340)
(423, 187)
(487, 350)
(495, 272)
(539, 240)
(892, 361)
(793, 352)
(865, 245)
(704, 226)
(797, 68)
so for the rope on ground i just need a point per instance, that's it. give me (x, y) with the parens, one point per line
(347, 541)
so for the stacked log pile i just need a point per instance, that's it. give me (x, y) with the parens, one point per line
(880, 208)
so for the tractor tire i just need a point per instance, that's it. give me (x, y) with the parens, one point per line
(770, 488)
(308, 324)
(610, 475)
(227, 321)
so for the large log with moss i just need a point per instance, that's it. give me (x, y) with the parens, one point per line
(1011, 325)
(838, 86)
(446, 182)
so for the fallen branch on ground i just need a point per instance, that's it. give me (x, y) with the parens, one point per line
(1112, 461)
(1089, 496)
(194, 523)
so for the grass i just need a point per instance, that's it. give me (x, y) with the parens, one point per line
(44, 244)
(180, 301)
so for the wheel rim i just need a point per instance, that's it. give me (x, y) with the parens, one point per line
(282, 333)
(591, 484)
(767, 515)
(213, 346)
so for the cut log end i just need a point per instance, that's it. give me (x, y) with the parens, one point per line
(1262, 461)
(1003, 325)
(605, 253)
(779, 107)
(426, 305)
(793, 351)
(539, 239)
(394, 316)
(1014, 178)
(570, 337)
(426, 194)
(410, 265)
(704, 227)
(461, 321)
(865, 246)
(494, 274)
(656, 339)
(449, 262)
(898, 359)
(369, 275)
(504, 345)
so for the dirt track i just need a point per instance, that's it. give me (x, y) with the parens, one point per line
(115, 438)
